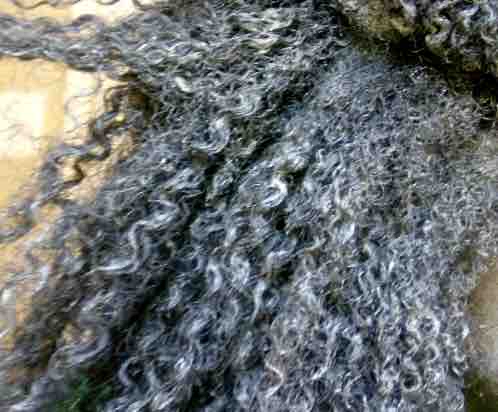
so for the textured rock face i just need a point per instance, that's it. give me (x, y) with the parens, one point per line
(461, 32)
(485, 331)
(57, 101)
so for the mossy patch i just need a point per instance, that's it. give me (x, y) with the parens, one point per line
(479, 396)
(85, 395)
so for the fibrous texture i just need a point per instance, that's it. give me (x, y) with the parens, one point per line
(297, 228)
(463, 32)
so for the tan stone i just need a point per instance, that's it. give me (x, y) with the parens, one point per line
(484, 308)
(41, 104)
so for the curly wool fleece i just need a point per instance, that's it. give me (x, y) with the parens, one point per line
(462, 32)
(298, 227)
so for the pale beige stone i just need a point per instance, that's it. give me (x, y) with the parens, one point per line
(41, 104)
(484, 308)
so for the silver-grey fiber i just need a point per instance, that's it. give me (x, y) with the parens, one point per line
(297, 228)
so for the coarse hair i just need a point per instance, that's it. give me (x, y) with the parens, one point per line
(298, 225)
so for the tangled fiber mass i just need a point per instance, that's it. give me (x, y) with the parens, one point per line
(461, 32)
(297, 228)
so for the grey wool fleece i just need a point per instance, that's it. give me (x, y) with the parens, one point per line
(299, 225)
(459, 32)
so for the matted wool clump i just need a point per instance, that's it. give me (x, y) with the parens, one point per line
(298, 226)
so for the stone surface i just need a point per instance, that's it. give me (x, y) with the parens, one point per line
(42, 104)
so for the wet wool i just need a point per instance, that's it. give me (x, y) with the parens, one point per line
(299, 224)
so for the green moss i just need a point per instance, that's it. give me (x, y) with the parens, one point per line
(479, 397)
(85, 396)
